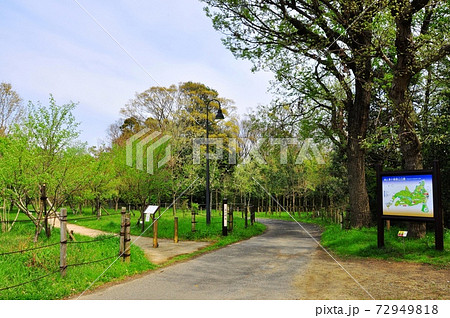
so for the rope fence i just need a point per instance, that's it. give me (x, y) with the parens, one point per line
(30, 281)
(124, 249)
(93, 241)
(29, 249)
(51, 218)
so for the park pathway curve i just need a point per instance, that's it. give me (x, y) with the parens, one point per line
(167, 248)
(262, 267)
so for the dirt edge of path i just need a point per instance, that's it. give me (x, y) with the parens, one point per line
(325, 279)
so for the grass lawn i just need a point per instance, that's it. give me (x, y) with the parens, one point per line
(203, 232)
(363, 242)
(19, 268)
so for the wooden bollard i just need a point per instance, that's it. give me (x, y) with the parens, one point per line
(230, 221)
(155, 234)
(193, 222)
(246, 217)
(175, 230)
(127, 238)
(63, 243)
(122, 231)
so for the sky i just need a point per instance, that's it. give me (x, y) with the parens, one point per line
(99, 53)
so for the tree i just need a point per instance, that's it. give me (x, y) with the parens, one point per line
(43, 153)
(321, 51)
(11, 108)
(159, 103)
(326, 56)
(421, 39)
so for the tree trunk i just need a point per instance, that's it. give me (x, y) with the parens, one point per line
(405, 116)
(358, 117)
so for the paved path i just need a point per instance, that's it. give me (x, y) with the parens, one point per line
(263, 267)
(167, 248)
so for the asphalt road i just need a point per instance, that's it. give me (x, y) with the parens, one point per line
(263, 267)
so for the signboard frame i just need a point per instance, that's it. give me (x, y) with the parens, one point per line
(150, 211)
(436, 197)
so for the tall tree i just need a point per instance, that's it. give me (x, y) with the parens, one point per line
(322, 52)
(11, 108)
(421, 39)
(159, 103)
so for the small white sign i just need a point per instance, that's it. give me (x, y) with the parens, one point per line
(225, 214)
(402, 233)
(151, 209)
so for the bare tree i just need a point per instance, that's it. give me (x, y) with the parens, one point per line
(11, 107)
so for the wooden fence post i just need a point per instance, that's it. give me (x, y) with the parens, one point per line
(63, 243)
(122, 231)
(127, 239)
(230, 221)
(155, 234)
(246, 217)
(193, 221)
(175, 234)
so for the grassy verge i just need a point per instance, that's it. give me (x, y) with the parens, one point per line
(363, 242)
(210, 233)
(203, 232)
(16, 269)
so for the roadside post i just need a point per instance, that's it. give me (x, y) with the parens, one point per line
(246, 216)
(224, 217)
(63, 243)
(127, 238)
(193, 214)
(155, 233)
(175, 230)
(122, 231)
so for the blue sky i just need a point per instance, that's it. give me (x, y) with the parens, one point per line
(51, 46)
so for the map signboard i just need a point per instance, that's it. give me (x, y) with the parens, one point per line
(408, 195)
(413, 196)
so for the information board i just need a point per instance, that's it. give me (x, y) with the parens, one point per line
(408, 195)
(412, 196)
(151, 209)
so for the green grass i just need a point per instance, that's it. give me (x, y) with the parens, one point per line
(203, 232)
(19, 268)
(363, 242)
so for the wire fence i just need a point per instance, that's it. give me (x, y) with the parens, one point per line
(30, 281)
(63, 219)
(29, 249)
(51, 218)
